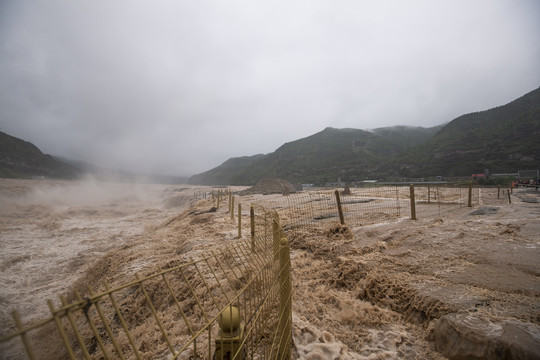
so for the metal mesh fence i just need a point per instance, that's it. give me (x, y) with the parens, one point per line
(200, 195)
(372, 205)
(231, 304)
(319, 209)
(495, 195)
(436, 201)
(366, 206)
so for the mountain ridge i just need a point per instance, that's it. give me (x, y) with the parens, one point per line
(20, 158)
(314, 159)
(503, 138)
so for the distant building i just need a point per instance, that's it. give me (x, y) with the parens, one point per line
(339, 183)
(335, 184)
(504, 175)
(527, 174)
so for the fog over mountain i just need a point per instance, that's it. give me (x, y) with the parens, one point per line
(503, 139)
(178, 87)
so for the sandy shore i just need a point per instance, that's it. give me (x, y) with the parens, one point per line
(401, 289)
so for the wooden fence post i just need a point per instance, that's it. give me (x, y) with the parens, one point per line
(239, 220)
(231, 206)
(252, 217)
(470, 195)
(340, 209)
(509, 199)
(413, 204)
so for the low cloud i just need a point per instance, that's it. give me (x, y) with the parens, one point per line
(179, 87)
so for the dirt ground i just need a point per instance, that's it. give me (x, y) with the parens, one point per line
(463, 284)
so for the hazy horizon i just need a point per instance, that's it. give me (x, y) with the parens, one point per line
(177, 88)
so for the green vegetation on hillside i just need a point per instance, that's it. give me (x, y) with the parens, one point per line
(19, 158)
(405, 137)
(503, 139)
(347, 154)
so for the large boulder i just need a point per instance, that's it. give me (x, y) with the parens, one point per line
(472, 336)
(270, 186)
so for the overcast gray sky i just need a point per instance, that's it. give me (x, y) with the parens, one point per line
(178, 87)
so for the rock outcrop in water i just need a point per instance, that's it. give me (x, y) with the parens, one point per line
(471, 336)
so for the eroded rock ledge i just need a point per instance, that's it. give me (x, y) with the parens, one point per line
(473, 336)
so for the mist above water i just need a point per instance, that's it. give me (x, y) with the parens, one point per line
(51, 230)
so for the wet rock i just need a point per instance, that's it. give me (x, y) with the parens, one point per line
(270, 186)
(471, 336)
(486, 210)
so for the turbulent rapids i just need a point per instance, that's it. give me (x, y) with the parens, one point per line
(465, 282)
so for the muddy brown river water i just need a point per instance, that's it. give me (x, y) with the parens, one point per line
(463, 284)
